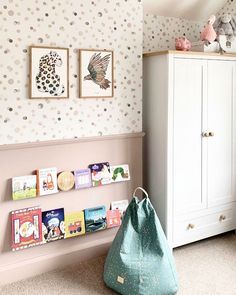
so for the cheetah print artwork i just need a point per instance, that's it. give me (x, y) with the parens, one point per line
(47, 80)
(48, 72)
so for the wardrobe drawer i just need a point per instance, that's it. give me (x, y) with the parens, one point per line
(196, 228)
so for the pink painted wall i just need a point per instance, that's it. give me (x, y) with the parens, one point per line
(19, 160)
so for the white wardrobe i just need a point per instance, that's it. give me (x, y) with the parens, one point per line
(190, 145)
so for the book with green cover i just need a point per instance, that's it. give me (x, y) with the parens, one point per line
(95, 218)
(23, 187)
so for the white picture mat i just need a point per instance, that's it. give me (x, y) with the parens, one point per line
(88, 87)
(62, 71)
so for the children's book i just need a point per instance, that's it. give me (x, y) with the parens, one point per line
(100, 173)
(120, 173)
(26, 228)
(95, 218)
(47, 181)
(65, 181)
(121, 206)
(74, 224)
(23, 187)
(113, 218)
(82, 178)
(53, 225)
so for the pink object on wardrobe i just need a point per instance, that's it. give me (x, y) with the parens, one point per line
(182, 43)
(208, 33)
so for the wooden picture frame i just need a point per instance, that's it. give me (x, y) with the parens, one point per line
(49, 72)
(96, 73)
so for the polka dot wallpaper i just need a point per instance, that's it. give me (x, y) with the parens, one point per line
(100, 24)
(160, 32)
(230, 8)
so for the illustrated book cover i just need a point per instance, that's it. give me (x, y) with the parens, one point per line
(100, 173)
(82, 178)
(47, 181)
(65, 180)
(53, 225)
(24, 187)
(120, 173)
(74, 224)
(26, 228)
(121, 206)
(95, 219)
(113, 218)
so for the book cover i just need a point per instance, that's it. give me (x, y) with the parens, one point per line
(120, 205)
(74, 224)
(82, 178)
(113, 218)
(100, 173)
(47, 181)
(26, 228)
(120, 173)
(95, 218)
(65, 180)
(24, 187)
(53, 225)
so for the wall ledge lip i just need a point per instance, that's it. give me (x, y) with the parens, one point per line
(36, 144)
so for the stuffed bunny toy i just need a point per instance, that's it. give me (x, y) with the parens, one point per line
(209, 34)
(225, 25)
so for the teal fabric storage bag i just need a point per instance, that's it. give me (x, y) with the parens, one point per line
(139, 261)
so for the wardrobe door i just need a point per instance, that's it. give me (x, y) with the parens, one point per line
(221, 116)
(189, 148)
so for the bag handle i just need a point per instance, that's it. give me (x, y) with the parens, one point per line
(142, 189)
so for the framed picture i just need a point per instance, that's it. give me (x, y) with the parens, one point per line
(96, 73)
(49, 68)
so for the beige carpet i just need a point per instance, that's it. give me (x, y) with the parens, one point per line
(207, 267)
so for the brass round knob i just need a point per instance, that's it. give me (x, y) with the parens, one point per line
(190, 226)
(222, 217)
(205, 134)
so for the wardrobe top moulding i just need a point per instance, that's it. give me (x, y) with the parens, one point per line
(192, 54)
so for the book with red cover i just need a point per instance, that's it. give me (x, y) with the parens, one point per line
(121, 206)
(26, 228)
(113, 218)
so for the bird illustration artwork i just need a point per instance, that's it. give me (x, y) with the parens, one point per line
(97, 70)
